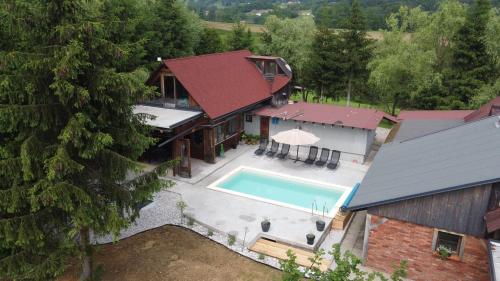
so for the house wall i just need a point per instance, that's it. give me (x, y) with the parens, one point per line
(459, 211)
(391, 241)
(355, 144)
(253, 127)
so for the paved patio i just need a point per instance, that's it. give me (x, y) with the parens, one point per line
(242, 216)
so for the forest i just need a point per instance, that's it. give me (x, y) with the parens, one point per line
(256, 11)
(70, 71)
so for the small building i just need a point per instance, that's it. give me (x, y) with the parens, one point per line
(436, 188)
(202, 99)
(346, 129)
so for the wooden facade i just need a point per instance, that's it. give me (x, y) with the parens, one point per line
(460, 211)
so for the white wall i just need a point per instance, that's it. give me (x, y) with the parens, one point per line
(355, 144)
(253, 127)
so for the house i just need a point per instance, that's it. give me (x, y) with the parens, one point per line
(434, 184)
(347, 129)
(202, 101)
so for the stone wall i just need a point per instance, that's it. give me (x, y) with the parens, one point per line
(391, 241)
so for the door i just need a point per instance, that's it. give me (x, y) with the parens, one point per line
(183, 153)
(264, 127)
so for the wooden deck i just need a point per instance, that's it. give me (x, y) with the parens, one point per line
(278, 250)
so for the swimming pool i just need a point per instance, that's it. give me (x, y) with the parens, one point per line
(283, 190)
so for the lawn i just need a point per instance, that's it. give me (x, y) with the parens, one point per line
(174, 253)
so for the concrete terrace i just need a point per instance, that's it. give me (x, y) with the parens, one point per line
(242, 216)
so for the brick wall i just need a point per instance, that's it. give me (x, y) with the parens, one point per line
(394, 240)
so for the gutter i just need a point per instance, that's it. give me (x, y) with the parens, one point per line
(348, 200)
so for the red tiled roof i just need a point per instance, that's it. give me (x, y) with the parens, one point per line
(485, 110)
(362, 118)
(433, 114)
(221, 83)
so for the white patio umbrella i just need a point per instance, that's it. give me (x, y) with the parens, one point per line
(295, 137)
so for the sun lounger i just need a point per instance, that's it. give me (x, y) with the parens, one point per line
(262, 147)
(325, 152)
(273, 150)
(313, 152)
(334, 160)
(285, 148)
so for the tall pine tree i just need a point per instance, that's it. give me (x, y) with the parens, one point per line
(210, 42)
(471, 65)
(68, 137)
(355, 53)
(241, 38)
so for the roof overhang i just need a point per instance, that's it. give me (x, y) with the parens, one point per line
(165, 118)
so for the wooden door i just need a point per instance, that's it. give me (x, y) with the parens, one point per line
(183, 154)
(264, 127)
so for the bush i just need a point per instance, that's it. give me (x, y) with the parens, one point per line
(262, 256)
(231, 239)
(346, 269)
(210, 233)
(250, 139)
(190, 221)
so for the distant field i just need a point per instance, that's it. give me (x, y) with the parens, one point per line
(257, 28)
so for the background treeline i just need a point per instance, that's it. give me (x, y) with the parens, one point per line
(256, 11)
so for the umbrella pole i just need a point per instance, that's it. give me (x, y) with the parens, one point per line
(297, 158)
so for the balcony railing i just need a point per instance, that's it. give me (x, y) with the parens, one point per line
(171, 103)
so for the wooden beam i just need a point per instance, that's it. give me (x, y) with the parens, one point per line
(162, 85)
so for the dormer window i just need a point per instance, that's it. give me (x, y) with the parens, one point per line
(269, 67)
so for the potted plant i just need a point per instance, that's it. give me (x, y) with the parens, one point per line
(265, 224)
(444, 252)
(310, 238)
(320, 223)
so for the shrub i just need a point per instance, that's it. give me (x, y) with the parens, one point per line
(346, 269)
(262, 256)
(190, 221)
(210, 233)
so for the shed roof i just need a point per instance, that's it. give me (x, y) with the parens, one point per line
(221, 83)
(491, 108)
(165, 118)
(433, 114)
(413, 128)
(362, 118)
(459, 157)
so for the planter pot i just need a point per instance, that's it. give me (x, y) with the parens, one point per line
(310, 238)
(265, 225)
(320, 225)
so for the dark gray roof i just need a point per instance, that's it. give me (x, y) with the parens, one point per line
(413, 128)
(460, 157)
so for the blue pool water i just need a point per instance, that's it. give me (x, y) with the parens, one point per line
(289, 191)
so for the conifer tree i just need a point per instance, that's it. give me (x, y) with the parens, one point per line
(210, 42)
(471, 65)
(355, 52)
(241, 38)
(322, 70)
(68, 137)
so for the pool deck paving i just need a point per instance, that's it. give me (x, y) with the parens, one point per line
(241, 216)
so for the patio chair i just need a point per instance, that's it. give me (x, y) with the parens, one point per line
(273, 150)
(325, 152)
(262, 147)
(285, 148)
(334, 160)
(313, 152)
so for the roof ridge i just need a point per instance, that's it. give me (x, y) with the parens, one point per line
(440, 131)
(207, 55)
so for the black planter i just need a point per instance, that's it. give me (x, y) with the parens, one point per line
(265, 225)
(320, 225)
(310, 238)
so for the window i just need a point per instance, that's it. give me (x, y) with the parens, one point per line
(248, 118)
(448, 240)
(232, 126)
